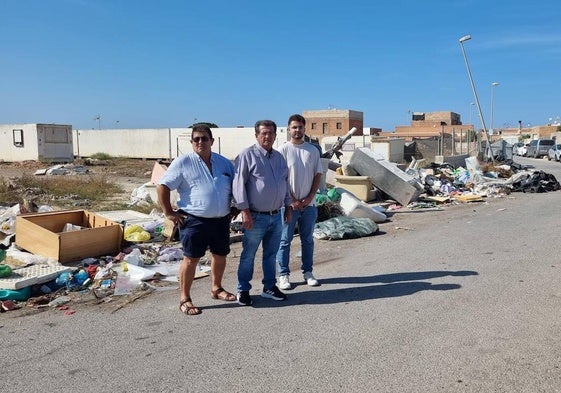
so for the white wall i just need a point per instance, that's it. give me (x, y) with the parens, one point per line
(11, 153)
(162, 142)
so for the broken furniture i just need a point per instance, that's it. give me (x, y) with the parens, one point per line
(42, 234)
(360, 186)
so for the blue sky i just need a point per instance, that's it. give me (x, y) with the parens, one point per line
(159, 64)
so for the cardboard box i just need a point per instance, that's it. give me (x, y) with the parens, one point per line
(42, 234)
(170, 230)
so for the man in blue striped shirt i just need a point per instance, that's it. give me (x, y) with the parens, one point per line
(260, 190)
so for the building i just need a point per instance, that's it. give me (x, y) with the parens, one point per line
(332, 122)
(37, 142)
(430, 124)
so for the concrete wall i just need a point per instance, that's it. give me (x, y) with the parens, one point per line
(39, 142)
(160, 143)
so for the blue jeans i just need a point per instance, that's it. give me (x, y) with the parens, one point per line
(266, 229)
(306, 220)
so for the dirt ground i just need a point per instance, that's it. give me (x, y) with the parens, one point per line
(127, 173)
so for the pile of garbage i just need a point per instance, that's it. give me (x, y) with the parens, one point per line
(138, 268)
(485, 180)
(147, 261)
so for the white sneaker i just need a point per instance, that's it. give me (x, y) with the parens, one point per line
(284, 282)
(310, 279)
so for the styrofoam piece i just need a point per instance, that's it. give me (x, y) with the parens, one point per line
(129, 216)
(31, 275)
(152, 190)
(354, 207)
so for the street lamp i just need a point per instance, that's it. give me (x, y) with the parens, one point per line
(471, 105)
(493, 85)
(98, 119)
(462, 40)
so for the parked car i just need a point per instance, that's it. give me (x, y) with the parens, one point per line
(539, 147)
(515, 148)
(554, 153)
(522, 150)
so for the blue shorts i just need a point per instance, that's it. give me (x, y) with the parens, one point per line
(198, 234)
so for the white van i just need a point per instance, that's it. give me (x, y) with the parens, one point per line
(539, 147)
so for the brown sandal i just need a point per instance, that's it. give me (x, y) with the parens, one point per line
(189, 310)
(222, 294)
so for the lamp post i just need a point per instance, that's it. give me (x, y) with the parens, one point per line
(98, 119)
(493, 85)
(471, 105)
(462, 40)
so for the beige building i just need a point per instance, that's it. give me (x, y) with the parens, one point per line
(332, 122)
(430, 124)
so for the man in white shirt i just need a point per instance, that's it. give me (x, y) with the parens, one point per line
(304, 177)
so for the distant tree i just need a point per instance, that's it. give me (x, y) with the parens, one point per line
(202, 123)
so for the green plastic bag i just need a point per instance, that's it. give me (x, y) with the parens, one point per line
(5, 270)
(333, 195)
(321, 199)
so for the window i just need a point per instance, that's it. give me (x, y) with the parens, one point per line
(325, 129)
(339, 126)
(314, 126)
(18, 138)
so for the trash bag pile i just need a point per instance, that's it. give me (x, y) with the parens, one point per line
(483, 180)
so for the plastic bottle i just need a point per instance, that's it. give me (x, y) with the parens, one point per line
(80, 277)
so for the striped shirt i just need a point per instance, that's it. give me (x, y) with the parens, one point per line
(261, 180)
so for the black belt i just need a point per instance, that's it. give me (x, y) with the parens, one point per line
(270, 212)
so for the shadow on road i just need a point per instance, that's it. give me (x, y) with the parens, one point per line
(354, 294)
(392, 285)
(397, 277)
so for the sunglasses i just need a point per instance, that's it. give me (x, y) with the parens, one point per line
(198, 139)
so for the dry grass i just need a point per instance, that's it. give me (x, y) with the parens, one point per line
(61, 191)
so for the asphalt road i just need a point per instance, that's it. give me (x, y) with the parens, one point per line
(467, 299)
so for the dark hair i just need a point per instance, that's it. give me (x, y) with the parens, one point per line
(203, 129)
(298, 118)
(266, 123)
